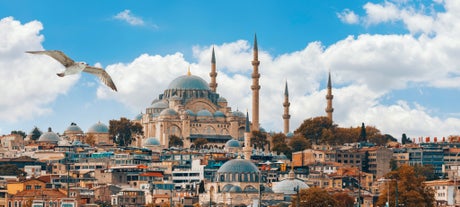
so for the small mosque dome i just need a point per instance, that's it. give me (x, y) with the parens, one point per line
(232, 143)
(289, 134)
(219, 114)
(227, 188)
(222, 100)
(73, 128)
(168, 112)
(238, 166)
(151, 141)
(98, 128)
(139, 117)
(189, 82)
(204, 112)
(238, 114)
(235, 189)
(288, 186)
(159, 105)
(49, 136)
(189, 112)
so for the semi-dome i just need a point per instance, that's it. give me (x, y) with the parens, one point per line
(189, 82)
(204, 112)
(151, 141)
(49, 136)
(238, 114)
(168, 112)
(159, 105)
(238, 166)
(98, 128)
(219, 114)
(189, 112)
(222, 99)
(73, 128)
(227, 188)
(232, 143)
(235, 189)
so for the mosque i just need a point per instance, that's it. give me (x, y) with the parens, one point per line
(190, 108)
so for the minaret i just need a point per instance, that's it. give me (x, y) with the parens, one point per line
(247, 150)
(213, 73)
(255, 87)
(286, 105)
(329, 98)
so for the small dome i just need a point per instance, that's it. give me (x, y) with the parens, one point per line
(168, 112)
(250, 189)
(189, 112)
(139, 117)
(219, 114)
(189, 82)
(232, 143)
(73, 128)
(159, 105)
(238, 166)
(204, 112)
(227, 188)
(98, 128)
(49, 136)
(151, 141)
(289, 134)
(222, 99)
(235, 189)
(238, 114)
(287, 186)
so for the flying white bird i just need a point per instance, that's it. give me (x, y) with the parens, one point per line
(72, 67)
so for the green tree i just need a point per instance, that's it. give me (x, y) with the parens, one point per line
(200, 142)
(314, 197)
(259, 139)
(405, 139)
(36, 133)
(23, 134)
(363, 134)
(123, 131)
(298, 143)
(315, 128)
(11, 169)
(343, 199)
(410, 188)
(175, 141)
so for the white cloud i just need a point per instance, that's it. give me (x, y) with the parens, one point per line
(128, 17)
(364, 70)
(348, 16)
(27, 88)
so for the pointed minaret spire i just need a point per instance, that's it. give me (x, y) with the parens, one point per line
(213, 73)
(247, 150)
(329, 98)
(255, 87)
(286, 105)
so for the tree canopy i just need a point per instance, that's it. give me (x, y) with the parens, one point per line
(123, 131)
(11, 169)
(314, 197)
(200, 142)
(318, 129)
(175, 141)
(408, 184)
(36, 133)
(259, 139)
(280, 145)
(299, 143)
(23, 134)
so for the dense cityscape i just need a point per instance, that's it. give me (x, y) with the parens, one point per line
(189, 148)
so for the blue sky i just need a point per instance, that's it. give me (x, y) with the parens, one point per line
(394, 63)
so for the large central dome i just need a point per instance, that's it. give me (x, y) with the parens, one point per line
(189, 82)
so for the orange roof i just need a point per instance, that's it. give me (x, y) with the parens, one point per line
(152, 174)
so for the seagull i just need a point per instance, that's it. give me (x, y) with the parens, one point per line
(72, 67)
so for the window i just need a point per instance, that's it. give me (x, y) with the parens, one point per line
(28, 187)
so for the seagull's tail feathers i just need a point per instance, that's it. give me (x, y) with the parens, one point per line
(60, 74)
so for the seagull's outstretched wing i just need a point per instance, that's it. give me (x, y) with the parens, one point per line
(57, 55)
(102, 75)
